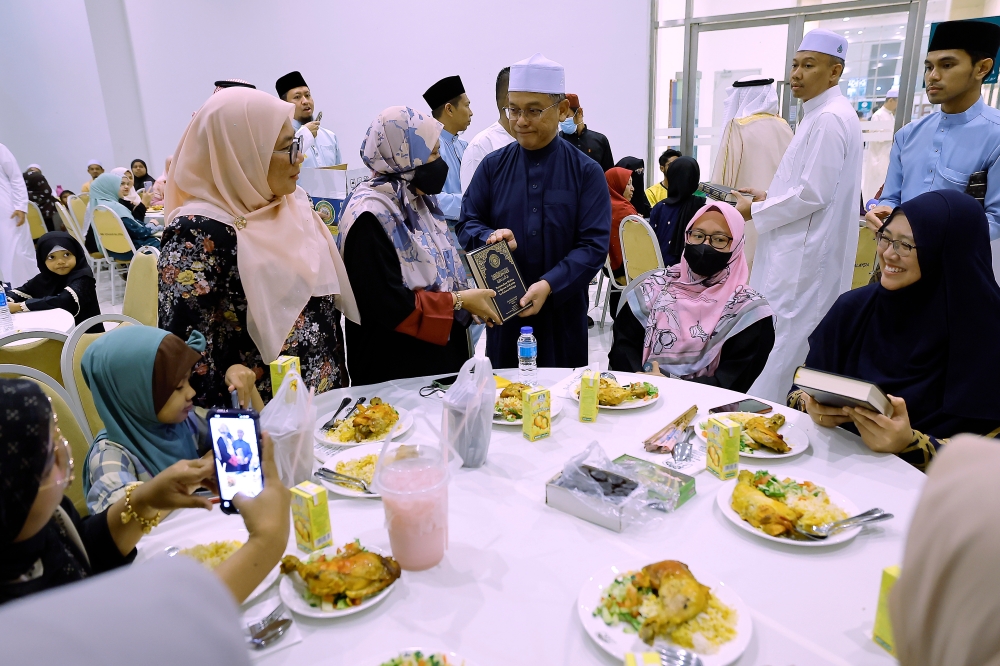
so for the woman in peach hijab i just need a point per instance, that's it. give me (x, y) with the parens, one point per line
(244, 258)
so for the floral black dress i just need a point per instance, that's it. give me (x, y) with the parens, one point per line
(200, 289)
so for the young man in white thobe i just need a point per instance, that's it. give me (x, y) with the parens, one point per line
(17, 253)
(494, 137)
(319, 144)
(876, 162)
(808, 218)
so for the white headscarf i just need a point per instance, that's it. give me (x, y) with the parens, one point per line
(746, 101)
(132, 197)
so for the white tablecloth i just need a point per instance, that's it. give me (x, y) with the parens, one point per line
(58, 320)
(506, 591)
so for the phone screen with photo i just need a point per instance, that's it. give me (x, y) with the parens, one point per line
(236, 444)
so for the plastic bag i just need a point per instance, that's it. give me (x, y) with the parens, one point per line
(467, 421)
(289, 419)
(616, 490)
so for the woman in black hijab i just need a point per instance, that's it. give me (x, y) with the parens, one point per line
(64, 280)
(140, 175)
(669, 218)
(41, 194)
(913, 333)
(638, 169)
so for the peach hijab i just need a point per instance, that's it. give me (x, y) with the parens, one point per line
(284, 252)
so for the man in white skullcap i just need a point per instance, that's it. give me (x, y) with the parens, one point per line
(94, 169)
(876, 162)
(754, 137)
(550, 202)
(807, 219)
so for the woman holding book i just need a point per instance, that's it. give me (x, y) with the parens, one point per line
(406, 271)
(911, 333)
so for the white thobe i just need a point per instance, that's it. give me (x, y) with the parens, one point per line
(17, 252)
(492, 138)
(808, 231)
(321, 150)
(876, 163)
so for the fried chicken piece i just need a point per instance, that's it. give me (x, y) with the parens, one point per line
(373, 419)
(354, 572)
(638, 390)
(513, 390)
(763, 512)
(680, 597)
(761, 433)
(776, 421)
(611, 395)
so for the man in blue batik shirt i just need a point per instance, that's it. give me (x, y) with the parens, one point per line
(450, 106)
(941, 151)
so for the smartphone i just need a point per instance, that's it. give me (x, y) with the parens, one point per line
(748, 405)
(319, 117)
(236, 445)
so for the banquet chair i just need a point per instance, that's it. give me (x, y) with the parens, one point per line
(36, 223)
(640, 247)
(142, 288)
(44, 355)
(631, 287)
(77, 342)
(69, 419)
(866, 258)
(613, 285)
(78, 208)
(113, 238)
(70, 223)
(78, 211)
(84, 197)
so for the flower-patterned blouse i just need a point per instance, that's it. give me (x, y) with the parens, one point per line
(200, 289)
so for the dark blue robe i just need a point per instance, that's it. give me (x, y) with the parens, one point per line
(556, 202)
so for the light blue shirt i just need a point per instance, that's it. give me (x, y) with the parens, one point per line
(450, 199)
(941, 151)
(321, 151)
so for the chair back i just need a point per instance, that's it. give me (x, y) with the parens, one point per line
(69, 425)
(111, 230)
(640, 247)
(84, 197)
(142, 288)
(78, 207)
(865, 258)
(44, 355)
(69, 222)
(35, 221)
(77, 342)
(631, 287)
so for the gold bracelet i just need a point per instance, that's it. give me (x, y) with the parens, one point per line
(458, 301)
(129, 513)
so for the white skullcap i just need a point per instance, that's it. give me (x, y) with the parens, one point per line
(824, 41)
(93, 162)
(893, 93)
(33, 166)
(537, 74)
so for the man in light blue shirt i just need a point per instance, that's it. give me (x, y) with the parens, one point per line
(943, 150)
(319, 145)
(450, 106)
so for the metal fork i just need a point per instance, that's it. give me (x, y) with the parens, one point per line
(821, 532)
(329, 424)
(675, 656)
(335, 477)
(272, 616)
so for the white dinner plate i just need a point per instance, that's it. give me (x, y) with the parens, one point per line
(404, 423)
(294, 601)
(353, 453)
(616, 642)
(555, 407)
(725, 495)
(796, 438)
(453, 659)
(144, 556)
(628, 404)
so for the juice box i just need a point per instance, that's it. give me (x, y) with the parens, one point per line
(642, 659)
(883, 628)
(280, 367)
(590, 384)
(536, 409)
(723, 453)
(311, 517)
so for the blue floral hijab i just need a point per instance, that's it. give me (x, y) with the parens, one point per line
(399, 141)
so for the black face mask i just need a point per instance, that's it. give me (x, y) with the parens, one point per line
(429, 177)
(705, 260)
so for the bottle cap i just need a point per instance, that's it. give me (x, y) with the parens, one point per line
(526, 330)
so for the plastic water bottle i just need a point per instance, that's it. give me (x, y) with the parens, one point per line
(7, 322)
(527, 357)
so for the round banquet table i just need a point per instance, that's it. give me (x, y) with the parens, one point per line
(58, 320)
(507, 589)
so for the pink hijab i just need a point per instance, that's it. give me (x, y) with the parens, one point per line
(285, 253)
(689, 317)
(159, 188)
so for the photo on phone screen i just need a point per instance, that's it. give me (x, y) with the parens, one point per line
(236, 443)
(749, 405)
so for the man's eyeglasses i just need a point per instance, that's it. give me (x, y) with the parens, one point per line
(719, 241)
(902, 248)
(293, 150)
(531, 114)
(62, 457)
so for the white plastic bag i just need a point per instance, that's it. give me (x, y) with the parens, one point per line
(467, 421)
(289, 419)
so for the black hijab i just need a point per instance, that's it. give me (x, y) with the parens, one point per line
(638, 169)
(670, 217)
(931, 343)
(144, 182)
(80, 279)
(40, 193)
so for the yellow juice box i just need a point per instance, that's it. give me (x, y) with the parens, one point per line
(642, 659)
(280, 367)
(883, 628)
(311, 517)
(590, 385)
(536, 411)
(723, 454)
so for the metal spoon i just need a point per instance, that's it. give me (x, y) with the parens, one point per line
(170, 551)
(257, 627)
(271, 634)
(329, 424)
(608, 375)
(336, 477)
(820, 532)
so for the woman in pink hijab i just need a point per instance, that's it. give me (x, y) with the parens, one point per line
(698, 320)
(244, 258)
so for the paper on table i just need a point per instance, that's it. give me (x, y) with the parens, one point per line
(691, 466)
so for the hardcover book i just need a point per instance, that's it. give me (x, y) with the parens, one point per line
(718, 192)
(493, 267)
(835, 390)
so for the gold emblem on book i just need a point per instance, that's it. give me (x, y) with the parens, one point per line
(494, 261)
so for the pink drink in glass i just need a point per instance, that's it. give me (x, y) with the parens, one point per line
(415, 495)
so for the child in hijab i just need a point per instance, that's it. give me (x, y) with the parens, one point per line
(139, 379)
(64, 280)
(40, 192)
(670, 217)
(105, 191)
